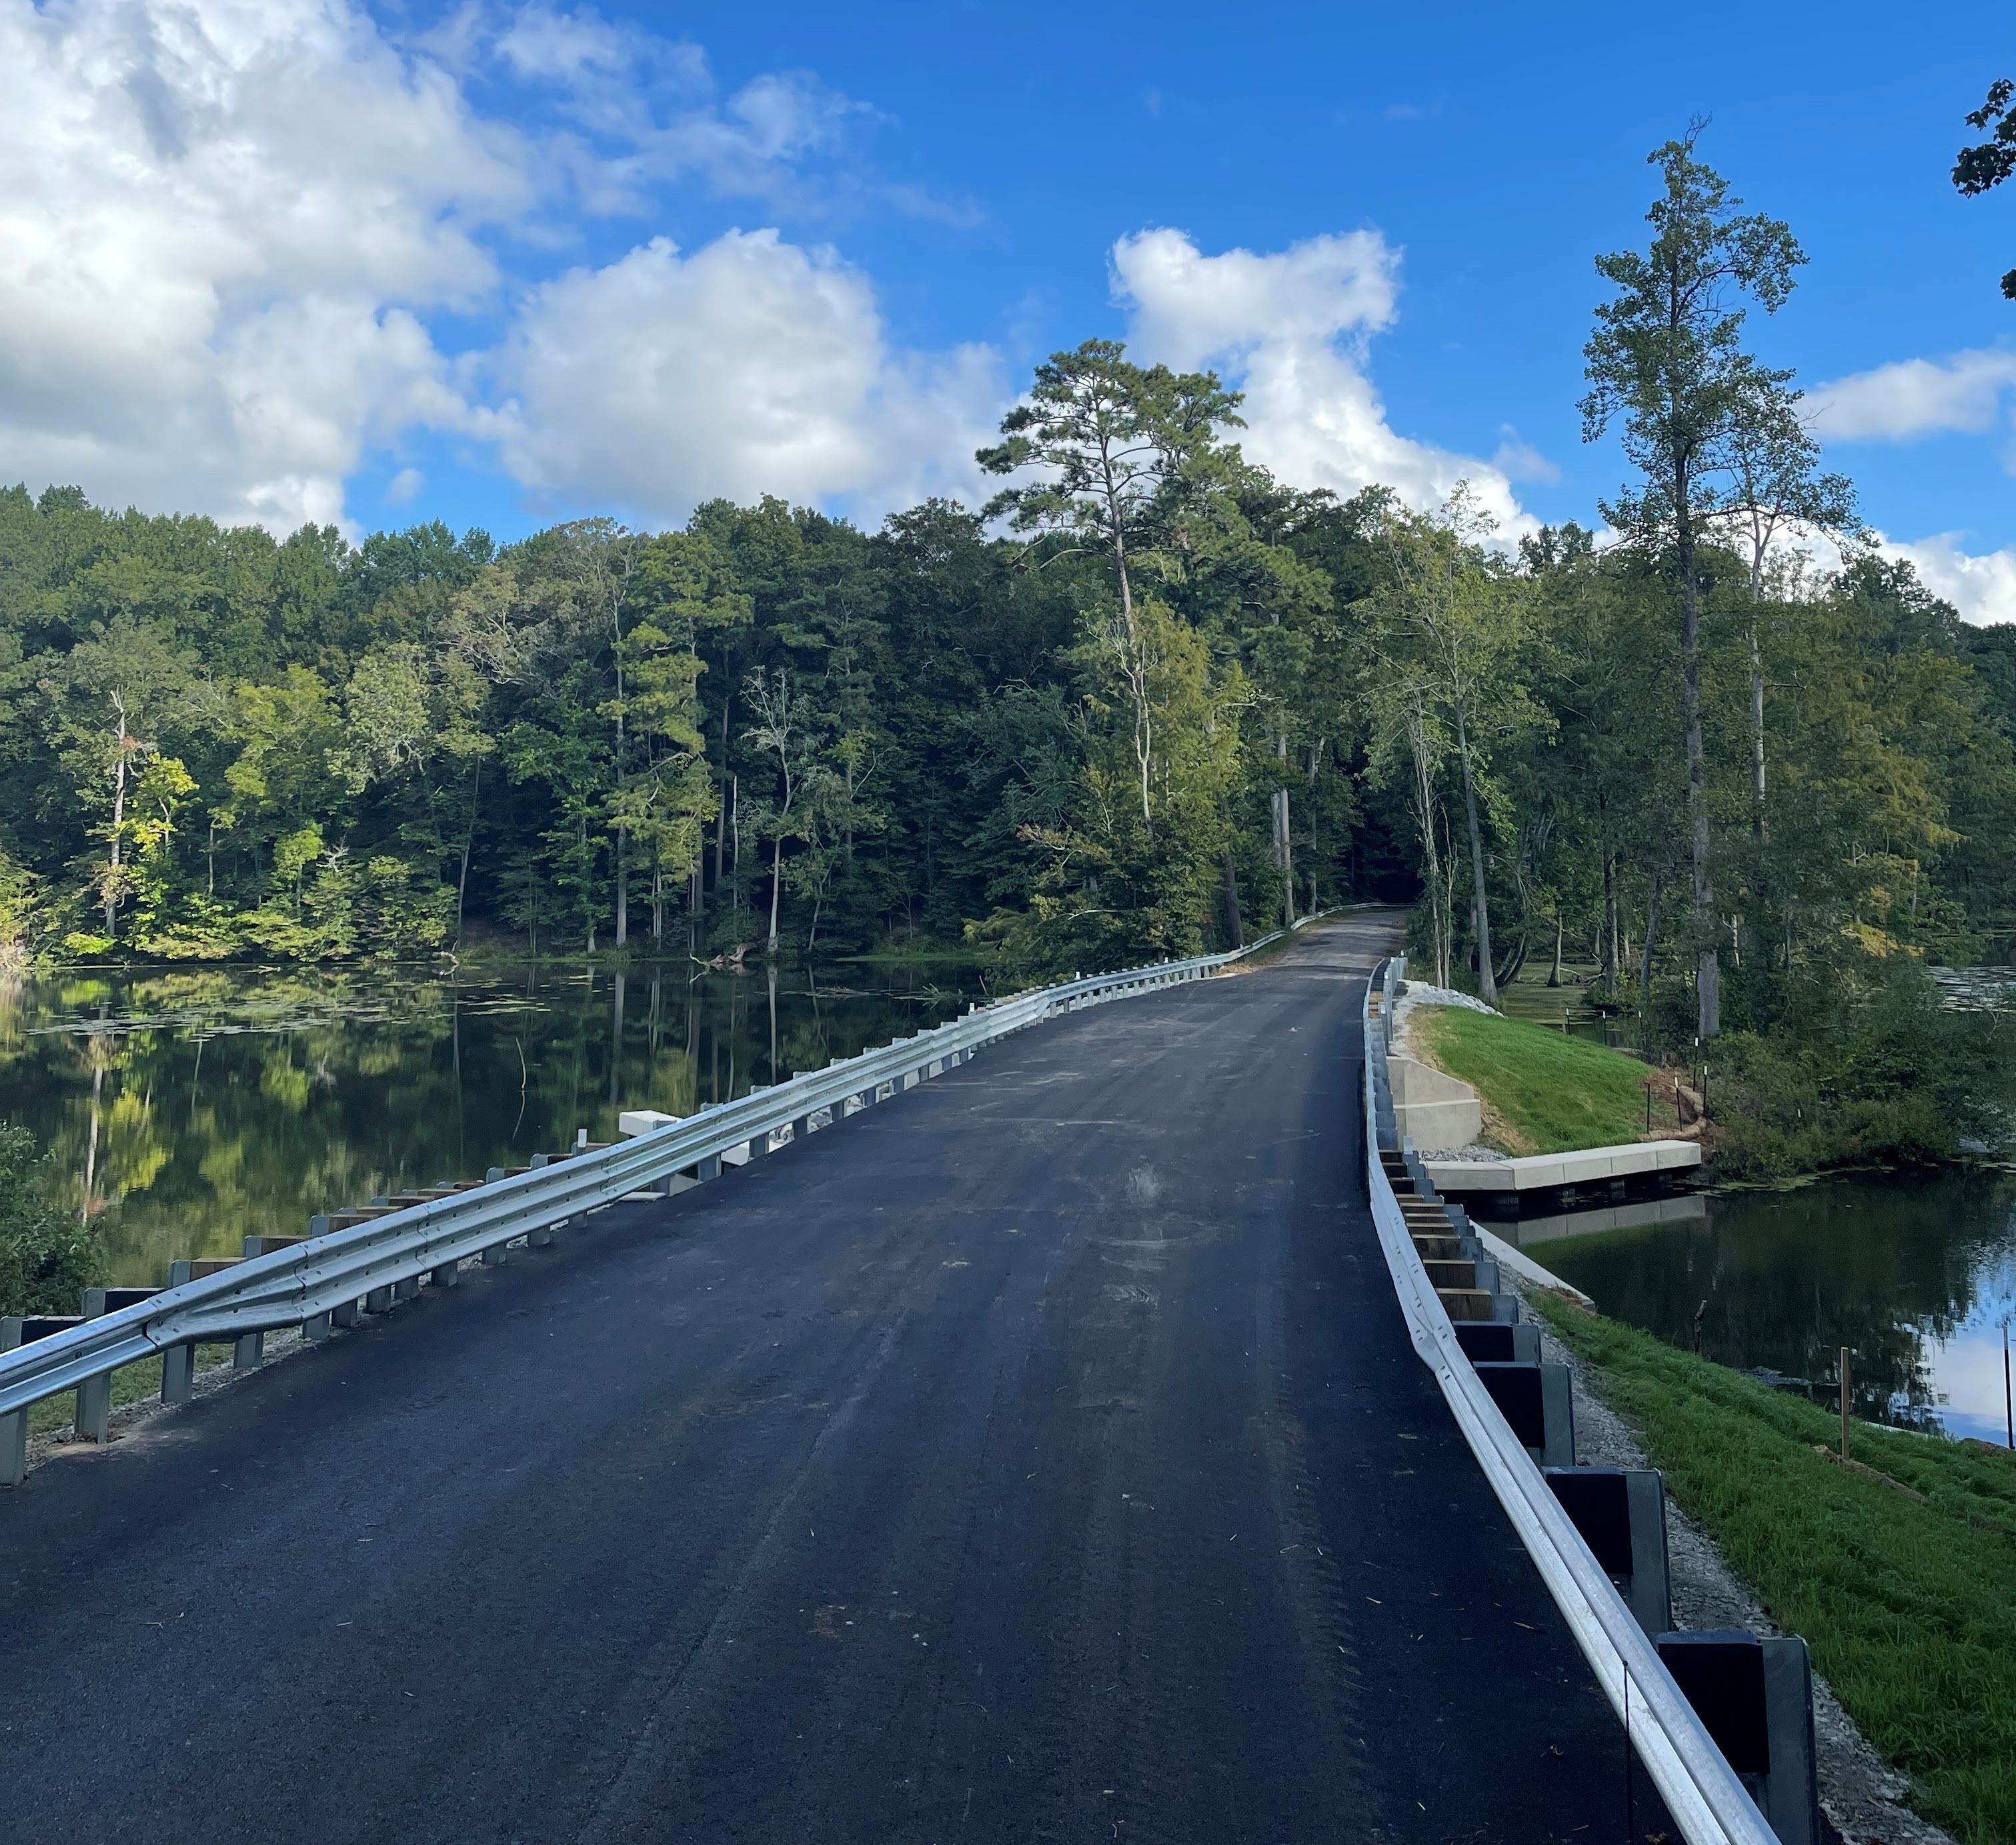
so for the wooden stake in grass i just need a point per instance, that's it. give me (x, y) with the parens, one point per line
(1844, 1402)
(2008, 1408)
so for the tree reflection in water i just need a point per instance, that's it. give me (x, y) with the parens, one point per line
(1916, 1273)
(190, 1109)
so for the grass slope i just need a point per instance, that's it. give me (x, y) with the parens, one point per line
(1544, 1092)
(1909, 1609)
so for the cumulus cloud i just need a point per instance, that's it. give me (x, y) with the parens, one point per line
(1291, 330)
(1914, 397)
(216, 221)
(752, 366)
(1982, 586)
(228, 230)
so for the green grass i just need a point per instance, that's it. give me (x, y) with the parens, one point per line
(128, 1386)
(1909, 1609)
(1544, 1092)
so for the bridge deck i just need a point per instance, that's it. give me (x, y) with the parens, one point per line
(1037, 1457)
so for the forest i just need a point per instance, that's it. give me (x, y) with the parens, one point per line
(1146, 701)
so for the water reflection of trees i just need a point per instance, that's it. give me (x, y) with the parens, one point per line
(1887, 1266)
(190, 1109)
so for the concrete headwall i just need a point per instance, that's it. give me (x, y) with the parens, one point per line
(1435, 1109)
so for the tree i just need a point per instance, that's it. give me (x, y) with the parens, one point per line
(46, 1258)
(1982, 167)
(123, 680)
(1665, 359)
(1451, 628)
(1776, 489)
(782, 730)
(1114, 439)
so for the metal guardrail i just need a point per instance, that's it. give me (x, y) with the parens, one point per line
(293, 1287)
(1707, 1801)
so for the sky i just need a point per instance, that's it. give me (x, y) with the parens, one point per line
(501, 264)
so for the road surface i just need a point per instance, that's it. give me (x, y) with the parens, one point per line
(1038, 1456)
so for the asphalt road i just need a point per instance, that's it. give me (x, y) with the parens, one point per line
(1038, 1456)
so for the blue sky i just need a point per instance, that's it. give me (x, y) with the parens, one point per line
(499, 264)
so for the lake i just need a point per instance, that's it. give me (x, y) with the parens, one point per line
(1915, 1274)
(187, 1109)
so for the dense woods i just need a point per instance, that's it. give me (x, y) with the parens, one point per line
(1146, 701)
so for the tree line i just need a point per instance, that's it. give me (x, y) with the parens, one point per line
(1147, 700)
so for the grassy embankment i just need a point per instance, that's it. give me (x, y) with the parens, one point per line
(1909, 1607)
(1542, 1091)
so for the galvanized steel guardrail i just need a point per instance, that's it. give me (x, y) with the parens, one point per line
(295, 1286)
(1707, 1801)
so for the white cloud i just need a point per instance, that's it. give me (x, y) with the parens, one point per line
(405, 485)
(1914, 397)
(751, 366)
(1982, 587)
(227, 228)
(214, 222)
(1290, 330)
(1518, 459)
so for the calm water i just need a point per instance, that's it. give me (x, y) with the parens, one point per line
(187, 1110)
(1917, 1275)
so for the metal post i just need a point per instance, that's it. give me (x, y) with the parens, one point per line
(251, 1347)
(447, 1275)
(378, 1300)
(178, 1362)
(2008, 1407)
(1844, 1402)
(347, 1315)
(14, 1424)
(94, 1395)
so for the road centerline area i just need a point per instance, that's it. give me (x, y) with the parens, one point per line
(1038, 1456)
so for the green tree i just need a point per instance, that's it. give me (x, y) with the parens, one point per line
(46, 1257)
(1112, 439)
(1451, 630)
(1666, 361)
(1983, 166)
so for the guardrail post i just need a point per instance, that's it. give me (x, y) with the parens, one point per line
(378, 1300)
(1755, 1697)
(94, 1395)
(251, 1347)
(1621, 1513)
(14, 1424)
(178, 1362)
